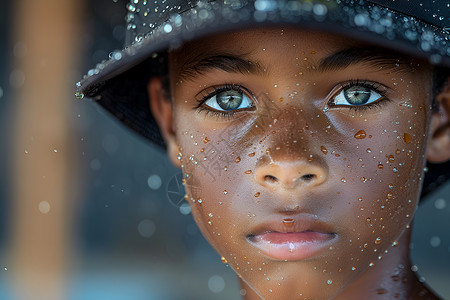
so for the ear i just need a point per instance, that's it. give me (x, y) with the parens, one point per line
(162, 111)
(439, 145)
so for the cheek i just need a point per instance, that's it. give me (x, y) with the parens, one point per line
(209, 176)
(380, 169)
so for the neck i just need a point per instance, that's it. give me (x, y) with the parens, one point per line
(390, 278)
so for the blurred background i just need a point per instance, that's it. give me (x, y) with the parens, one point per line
(90, 211)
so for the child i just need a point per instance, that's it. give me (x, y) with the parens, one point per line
(302, 129)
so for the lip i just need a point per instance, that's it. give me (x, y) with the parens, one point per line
(307, 237)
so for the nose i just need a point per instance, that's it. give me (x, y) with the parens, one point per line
(290, 175)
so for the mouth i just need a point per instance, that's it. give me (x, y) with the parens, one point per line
(304, 240)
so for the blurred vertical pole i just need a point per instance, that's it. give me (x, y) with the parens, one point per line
(46, 34)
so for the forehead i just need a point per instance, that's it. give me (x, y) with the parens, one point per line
(276, 49)
(251, 39)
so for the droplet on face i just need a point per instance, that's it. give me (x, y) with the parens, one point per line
(360, 135)
(407, 138)
(380, 166)
(389, 196)
(391, 158)
(238, 159)
(257, 194)
(248, 172)
(324, 150)
(251, 154)
(381, 291)
(206, 140)
(378, 240)
(225, 192)
(330, 281)
(288, 222)
(223, 259)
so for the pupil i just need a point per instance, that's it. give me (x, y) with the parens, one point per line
(229, 100)
(357, 95)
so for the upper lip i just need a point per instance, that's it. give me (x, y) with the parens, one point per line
(301, 223)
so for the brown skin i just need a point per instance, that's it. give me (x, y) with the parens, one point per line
(290, 157)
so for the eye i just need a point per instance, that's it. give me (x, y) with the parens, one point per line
(357, 95)
(229, 99)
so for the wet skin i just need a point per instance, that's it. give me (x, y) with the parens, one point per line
(302, 193)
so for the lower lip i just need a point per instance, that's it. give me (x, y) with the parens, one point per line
(292, 245)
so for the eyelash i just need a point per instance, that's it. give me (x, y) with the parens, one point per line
(205, 96)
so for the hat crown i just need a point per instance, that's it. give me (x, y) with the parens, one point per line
(145, 16)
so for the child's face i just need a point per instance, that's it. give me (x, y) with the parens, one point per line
(307, 164)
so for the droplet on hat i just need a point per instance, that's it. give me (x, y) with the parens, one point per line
(79, 95)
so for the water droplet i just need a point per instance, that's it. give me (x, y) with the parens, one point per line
(248, 172)
(223, 259)
(395, 244)
(288, 222)
(407, 138)
(378, 240)
(206, 140)
(363, 179)
(330, 281)
(353, 268)
(381, 291)
(343, 179)
(131, 7)
(380, 166)
(154, 182)
(238, 159)
(44, 207)
(440, 203)
(251, 154)
(257, 194)
(414, 268)
(360, 135)
(225, 192)
(371, 264)
(167, 28)
(79, 95)
(389, 195)
(435, 241)
(5, 268)
(324, 150)
(369, 150)
(391, 158)
(368, 220)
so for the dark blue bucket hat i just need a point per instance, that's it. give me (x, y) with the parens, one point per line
(418, 28)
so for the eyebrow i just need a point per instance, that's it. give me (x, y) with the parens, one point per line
(375, 57)
(225, 62)
(379, 58)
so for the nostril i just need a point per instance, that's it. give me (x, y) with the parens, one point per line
(308, 177)
(270, 179)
